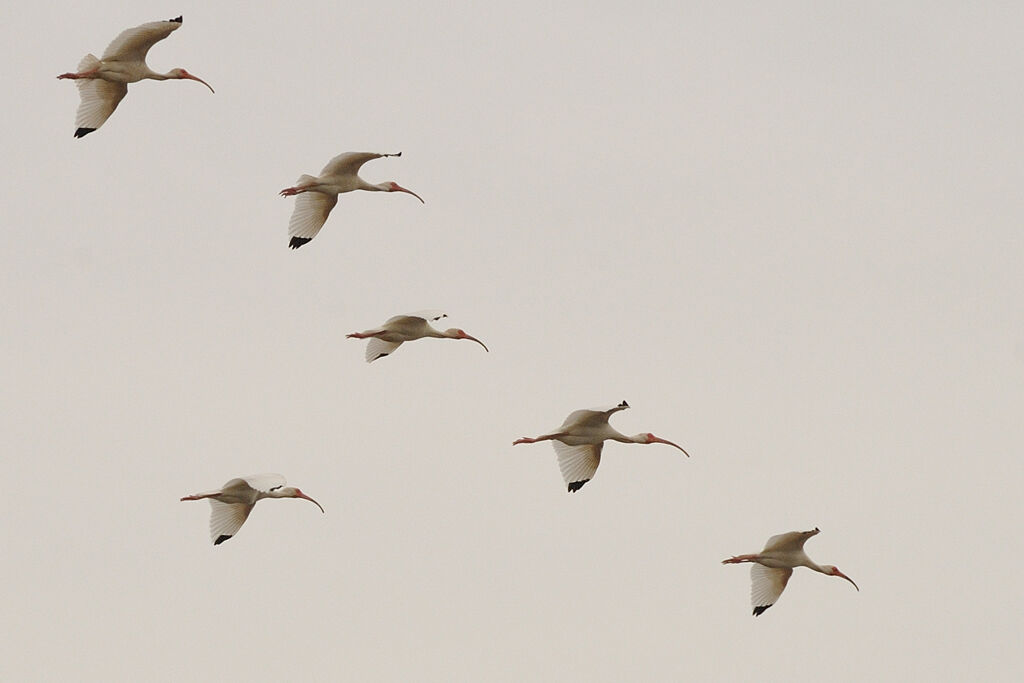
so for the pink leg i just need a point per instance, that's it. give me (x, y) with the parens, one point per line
(200, 496)
(740, 558)
(291, 191)
(84, 74)
(545, 437)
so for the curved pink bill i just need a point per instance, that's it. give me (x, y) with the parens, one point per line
(300, 494)
(196, 78)
(466, 336)
(399, 188)
(655, 439)
(839, 573)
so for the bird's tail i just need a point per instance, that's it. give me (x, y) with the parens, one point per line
(88, 63)
(305, 179)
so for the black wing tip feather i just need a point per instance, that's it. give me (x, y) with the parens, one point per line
(577, 485)
(82, 132)
(297, 242)
(623, 404)
(221, 539)
(759, 610)
(176, 20)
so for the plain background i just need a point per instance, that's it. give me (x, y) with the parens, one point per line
(789, 236)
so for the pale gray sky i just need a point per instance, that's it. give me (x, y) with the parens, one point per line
(790, 237)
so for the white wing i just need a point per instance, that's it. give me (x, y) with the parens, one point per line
(265, 482)
(349, 163)
(97, 99)
(378, 348)
(766, 585)
(132, 44)
(430, 315)
(791, 541)
(577, 463)
(593, 416)
(310, 214)
(226, 519)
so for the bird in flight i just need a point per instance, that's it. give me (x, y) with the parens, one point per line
(402, 328)
(103, 83)
(232, 503)
(318, 195)
(580, 439)
(773, 566)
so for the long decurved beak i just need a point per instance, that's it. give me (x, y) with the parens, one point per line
(655, 439)
(839, 573)
(399, 188)
(196, 78)
(478, 342)
(300, 494)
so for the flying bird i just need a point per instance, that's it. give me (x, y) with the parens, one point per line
(402, 328)
(580, 439)
(317, 196)
(235, 500)
(774, 565)
(103, 83)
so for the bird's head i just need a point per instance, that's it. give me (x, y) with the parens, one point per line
(832, 570)
(647, 437)
(456, 333)
(392, 186)
(292, 492)
(185, 75)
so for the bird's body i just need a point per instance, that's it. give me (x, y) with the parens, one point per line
(103, 83)
(317, 195)
(580, 440)
(402, 328)
(773, 566)
(232, 503)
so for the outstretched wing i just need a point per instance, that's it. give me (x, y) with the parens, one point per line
(766, 585)
(310, 214)
(792, 541)
(226, 519)
(97, 101)
(132, 44)
(577, 463)
(350, 162)
(592, 416)
(378, 348)
(265, 482)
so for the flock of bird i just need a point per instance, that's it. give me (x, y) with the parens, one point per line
(578, 442)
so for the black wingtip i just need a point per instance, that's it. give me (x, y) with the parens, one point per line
(577, 485)
(759, 610)
(82, 132)
(176, 20)
(623, 405)
(297, 242)
(221, 539)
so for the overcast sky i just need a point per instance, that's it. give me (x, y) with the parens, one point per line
(789, 237)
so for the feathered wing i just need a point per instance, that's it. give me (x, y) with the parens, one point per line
(349, 163)
(226, 519)
(264, 482)
(310, 214)
(577, 463)
(766, 585)
(592, 416)
(133, 44)
(793, 540)
(97, 98)
(378, 348)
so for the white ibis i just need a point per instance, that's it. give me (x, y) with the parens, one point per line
(235, 500)
(402, 328)
(103, 83)
(578, 443)
(319, 195)
(774, 565)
